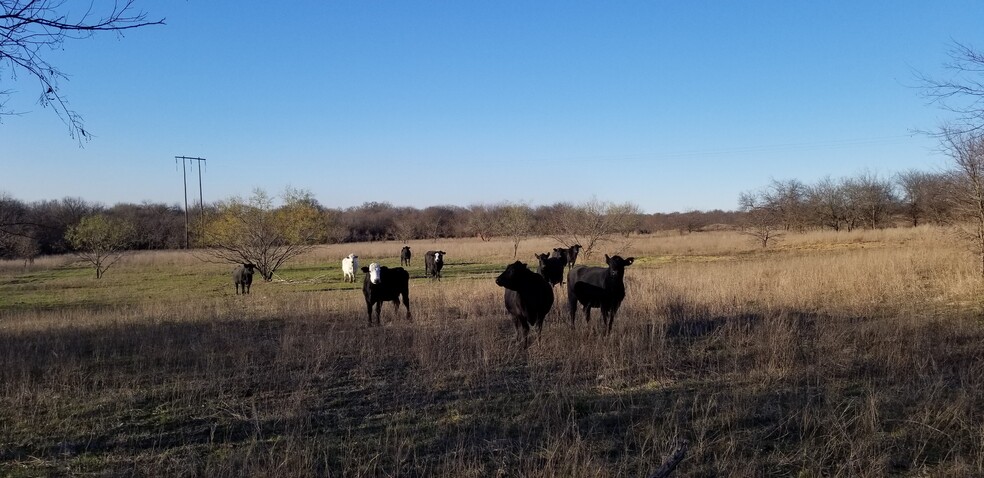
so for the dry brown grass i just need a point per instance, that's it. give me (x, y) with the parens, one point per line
(840, 354)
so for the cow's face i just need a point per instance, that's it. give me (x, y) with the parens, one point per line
(542, 258)
(249, 268)
(512, 273)
(617, 265)
(374, 273)
(439, 256)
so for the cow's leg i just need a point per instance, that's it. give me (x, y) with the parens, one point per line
(572, 306)
(396, 307)
(379, 306)
(611, 317)
(406, 303)
(369, 312)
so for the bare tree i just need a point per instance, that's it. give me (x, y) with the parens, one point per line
(961, 93)
(12, 220)
(966, 149)
(592, 223)
(406, 224)
(257, 232)
(483, 222)
(515, 221)
(787, 200)
(762, 221)
(100, 240)
(438, 221)
(869, 200)
(827, 203)
(31, 28)
(923, 196)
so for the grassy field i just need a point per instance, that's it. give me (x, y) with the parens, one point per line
(832, 354)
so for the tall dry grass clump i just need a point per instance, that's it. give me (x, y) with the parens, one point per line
(831, 355)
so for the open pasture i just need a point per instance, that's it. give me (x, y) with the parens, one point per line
(833, 354)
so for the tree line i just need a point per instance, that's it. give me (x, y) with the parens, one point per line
(30, 229)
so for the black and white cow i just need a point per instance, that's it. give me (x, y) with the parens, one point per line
(528, 298)
(551, 268)
(383, 284)
(602, 287)
(433, 263)
(405, 256)
(243, 277)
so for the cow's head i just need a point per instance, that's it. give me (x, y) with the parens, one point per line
(439, 256)
(249, 266)
(374, 272)
(617, 265)
(511, 275)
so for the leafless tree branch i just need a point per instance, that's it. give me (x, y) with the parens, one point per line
(28, 28)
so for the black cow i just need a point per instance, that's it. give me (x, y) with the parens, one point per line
(433, 263)
(405, 256)
(602, 287)
(383, 284)
(568, 253)
(529, 297)
(551, 268)
(243, 276)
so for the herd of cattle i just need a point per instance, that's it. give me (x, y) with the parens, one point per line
(529, 295)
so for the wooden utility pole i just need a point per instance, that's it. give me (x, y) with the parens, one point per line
(201, 198)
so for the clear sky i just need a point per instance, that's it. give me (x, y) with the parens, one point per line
(670, 105)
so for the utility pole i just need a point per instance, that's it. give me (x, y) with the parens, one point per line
(201, 197)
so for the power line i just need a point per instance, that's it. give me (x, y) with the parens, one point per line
(201, 201)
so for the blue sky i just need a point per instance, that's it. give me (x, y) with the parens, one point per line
(670, 105)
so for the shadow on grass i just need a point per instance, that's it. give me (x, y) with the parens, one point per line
(394, 400)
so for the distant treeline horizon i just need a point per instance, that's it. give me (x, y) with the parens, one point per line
(30, 229)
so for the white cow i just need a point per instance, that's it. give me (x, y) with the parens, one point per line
(350, 264)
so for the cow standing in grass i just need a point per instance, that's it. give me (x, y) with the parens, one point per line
(243, 277)
(569, 254)
(382, 284)
(350, 264)
(405, 256)
(528, 298)
(551, 268)
(602, 287)
(433, 263)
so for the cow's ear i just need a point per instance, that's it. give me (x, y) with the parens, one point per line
(629, 261)
(365, 269)
(608, 260)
